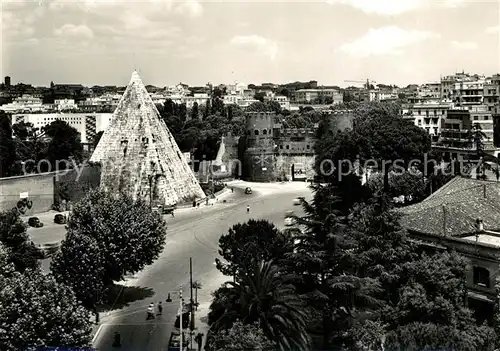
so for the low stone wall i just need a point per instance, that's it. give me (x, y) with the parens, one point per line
(38, 188)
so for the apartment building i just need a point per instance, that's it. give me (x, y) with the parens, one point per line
(491, 93)
(24, 103)
(455, 129)
(65, 104)
(468, 93)
(313, 95)
(429, 90)
(87, 124)
(282, 100)
(427, 115)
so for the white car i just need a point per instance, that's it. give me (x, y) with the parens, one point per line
(297, 200)
(289, 221)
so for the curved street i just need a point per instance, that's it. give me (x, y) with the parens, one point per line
(192, 233)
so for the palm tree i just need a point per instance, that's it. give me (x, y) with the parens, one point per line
(261, 296)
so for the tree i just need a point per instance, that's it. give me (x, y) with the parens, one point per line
(22, 253)
(241, 337)
(431, 312)
(126, 234)
(246, 244)
(7, 147)
(195, 111)
(79, 264)
(30, 145)
(261, 296)
(36, 311)
(259, 96)
(182, 113)
(64, 143)
(169, 108)
(322, 268)
(217, 106)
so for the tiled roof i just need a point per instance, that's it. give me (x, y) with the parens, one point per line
(456, 206)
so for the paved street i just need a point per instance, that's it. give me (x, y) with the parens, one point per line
(193, 234)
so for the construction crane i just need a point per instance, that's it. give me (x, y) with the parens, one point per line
(367, 83)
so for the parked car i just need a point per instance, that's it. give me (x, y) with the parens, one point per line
(297, 201)
(59, 219)
(175, 341)
(248, 190)
(35, 222)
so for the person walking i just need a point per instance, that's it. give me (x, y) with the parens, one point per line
(160, 308)
(248, 208)
(151, 311)
(199, 340)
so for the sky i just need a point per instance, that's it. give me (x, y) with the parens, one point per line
(100, 42)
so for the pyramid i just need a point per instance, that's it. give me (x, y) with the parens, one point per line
(137, 152)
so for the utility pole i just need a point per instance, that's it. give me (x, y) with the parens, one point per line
(192, 303)
(180, 319)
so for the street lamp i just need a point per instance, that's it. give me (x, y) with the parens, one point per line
(181, 312)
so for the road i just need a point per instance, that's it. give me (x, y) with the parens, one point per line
(195, 235)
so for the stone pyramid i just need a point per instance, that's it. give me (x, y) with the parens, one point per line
(137, 151)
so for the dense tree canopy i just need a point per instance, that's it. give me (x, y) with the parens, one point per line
(114, 236)
(36, 311)
(7, 147)
(241, 337)
(21, 252)
(248, 243)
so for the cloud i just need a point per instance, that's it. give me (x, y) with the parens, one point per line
(74, 31)
(464, 45)
(383, 41)
(394, 7)
(381, 7)
(191, 9)
(493, 30)
(262, 45)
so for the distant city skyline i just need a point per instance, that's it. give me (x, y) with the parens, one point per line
(194, 42)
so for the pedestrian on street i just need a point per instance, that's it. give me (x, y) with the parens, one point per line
(151, 311)
(199, 340)
(160, 308)
(248, 208)
(232, 189)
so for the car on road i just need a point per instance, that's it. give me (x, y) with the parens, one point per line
(175, 341)
(35, 222)
(248, 190)
(289, 220)
(298, 200)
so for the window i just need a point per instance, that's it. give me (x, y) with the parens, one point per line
(264, 131)
(481, 277)
(287, 147)
(486, 118)
(475, 118)
(256, 132)
(307, 146)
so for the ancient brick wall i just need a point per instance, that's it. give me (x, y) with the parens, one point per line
(39, 188)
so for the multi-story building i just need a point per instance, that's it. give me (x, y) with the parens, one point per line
(491, 93)
(455, 130)
(282, 100)
(380, 95)
(427, 115)
(24, 103)
(429, 90)
(87, 124)
(313, 95)
(65, 104)
(468, 93)
(463, 216)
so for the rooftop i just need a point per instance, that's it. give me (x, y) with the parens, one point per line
(456, 206)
